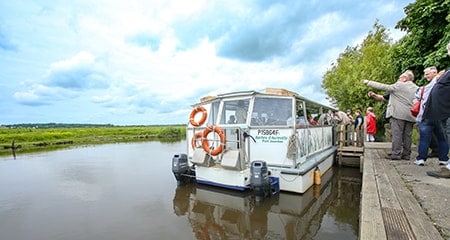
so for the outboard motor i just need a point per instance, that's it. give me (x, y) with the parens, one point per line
(180, 168)
(259, 179)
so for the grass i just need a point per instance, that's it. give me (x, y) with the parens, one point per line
(26, 140)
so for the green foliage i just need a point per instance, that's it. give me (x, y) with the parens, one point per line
(427, 23)
(371, 60)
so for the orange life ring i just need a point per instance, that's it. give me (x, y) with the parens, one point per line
(205, 142)
(195, 138)
(194, 112)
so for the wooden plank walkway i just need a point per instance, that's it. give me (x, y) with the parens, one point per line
(388, 208)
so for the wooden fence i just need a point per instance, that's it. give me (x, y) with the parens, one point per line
(351, 145)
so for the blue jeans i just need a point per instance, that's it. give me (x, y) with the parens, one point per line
(426, 128)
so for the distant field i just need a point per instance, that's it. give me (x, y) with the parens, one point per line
(43, 139)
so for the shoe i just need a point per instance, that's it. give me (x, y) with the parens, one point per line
(443, 162)
(389, 157)
(406, 158)
(442, 173)
(419, 162)
(433, 155)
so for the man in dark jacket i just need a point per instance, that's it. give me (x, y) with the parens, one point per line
(437, 111)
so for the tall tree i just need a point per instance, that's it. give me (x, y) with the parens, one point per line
(371, 60)
(427, 24)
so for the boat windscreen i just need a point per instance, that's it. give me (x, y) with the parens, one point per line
(271, 111)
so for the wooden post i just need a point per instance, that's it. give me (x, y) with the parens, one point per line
(13, 148)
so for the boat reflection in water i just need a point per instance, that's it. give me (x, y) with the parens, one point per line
(216, 213)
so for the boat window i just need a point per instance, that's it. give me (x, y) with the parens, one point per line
(212, 114)
(235, 112)
(271, 111)
(311, 114)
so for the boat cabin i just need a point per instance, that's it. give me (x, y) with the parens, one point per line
(230, 135)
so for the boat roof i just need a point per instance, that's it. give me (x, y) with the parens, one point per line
(266, 91)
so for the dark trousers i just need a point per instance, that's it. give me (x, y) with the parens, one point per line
(401, 138)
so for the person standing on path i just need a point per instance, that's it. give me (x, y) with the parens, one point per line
(349, 115)
(359, 130)
(371, 125)
(437, 111)
(344, 121)
(398, 110)
(427, 131)
(341, 117)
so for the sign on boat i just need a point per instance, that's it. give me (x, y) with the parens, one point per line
(264, 141)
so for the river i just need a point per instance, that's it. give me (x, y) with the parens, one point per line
(127, 191)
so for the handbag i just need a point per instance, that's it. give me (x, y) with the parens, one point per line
(415, 109)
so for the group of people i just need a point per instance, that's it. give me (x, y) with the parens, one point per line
(370, 122)
(433, 118)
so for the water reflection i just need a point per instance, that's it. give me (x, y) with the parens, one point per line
(328, 211)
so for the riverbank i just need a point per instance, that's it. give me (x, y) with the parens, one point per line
(32, 139)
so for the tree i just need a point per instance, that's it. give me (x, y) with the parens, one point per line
(427, 24)
(371, 60)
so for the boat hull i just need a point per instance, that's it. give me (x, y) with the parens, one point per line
(297, 180)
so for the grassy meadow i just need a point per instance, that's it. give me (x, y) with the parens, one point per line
(29, 139)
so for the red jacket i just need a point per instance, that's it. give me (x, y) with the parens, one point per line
(371, 121)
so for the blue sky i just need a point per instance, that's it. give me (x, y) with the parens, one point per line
(146, 62)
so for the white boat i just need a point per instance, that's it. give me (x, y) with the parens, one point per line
(241, 140)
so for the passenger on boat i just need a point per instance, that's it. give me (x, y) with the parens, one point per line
(325, 118)
(241, 112)
(231, 120)
(311, 120)
(264, 118)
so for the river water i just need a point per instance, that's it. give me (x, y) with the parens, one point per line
(127, 191)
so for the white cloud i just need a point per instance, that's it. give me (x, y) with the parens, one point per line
(146, 62)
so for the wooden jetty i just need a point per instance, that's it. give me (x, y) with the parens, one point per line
(388, 209)
(351, 146)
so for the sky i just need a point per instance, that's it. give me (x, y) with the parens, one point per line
(146, 62)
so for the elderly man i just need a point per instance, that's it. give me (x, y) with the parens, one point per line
(341, 117)
(437, 111)
(426, 132)
(398, 110)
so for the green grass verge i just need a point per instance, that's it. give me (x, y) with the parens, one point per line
(27, 140)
